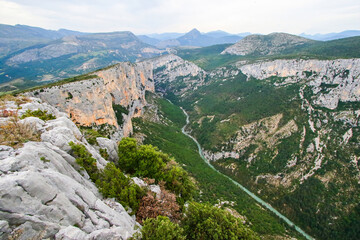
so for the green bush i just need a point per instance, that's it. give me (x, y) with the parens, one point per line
(43, 115)
(112, 183)
(147, 161)
(144, 160)
(161, 228)
(204, 221)
(91, 135)
(103, 152)
(85, 160)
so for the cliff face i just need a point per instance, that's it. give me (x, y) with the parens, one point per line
(91, 101)
(178, 74)
(338, 76)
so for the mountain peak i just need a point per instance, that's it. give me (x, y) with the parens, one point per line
(270, 44)
(193, 33)
(194, 30)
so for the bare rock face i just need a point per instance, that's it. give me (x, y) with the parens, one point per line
(45, 194)
(341, 77)
(175, 70)
(265, 44)
(91, 101)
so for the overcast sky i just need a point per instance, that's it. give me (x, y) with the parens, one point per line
(157, 16)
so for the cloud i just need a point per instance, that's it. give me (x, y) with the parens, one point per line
(147, 16)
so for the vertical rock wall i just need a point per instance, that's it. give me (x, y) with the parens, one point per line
(89, 102)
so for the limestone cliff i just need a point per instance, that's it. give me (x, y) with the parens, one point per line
(176, 73)
(91, 101)
(340, 76)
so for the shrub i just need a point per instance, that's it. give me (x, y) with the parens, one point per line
(147, 161)
(179, 181)
(91, 135)
(43, 115)
(203, 221)
(112, 183)
(70, 96)
(103, 152)
(153, 206)
(85, 160)
(144, 160)
(161, 228)
(14, 134)
(18, 99)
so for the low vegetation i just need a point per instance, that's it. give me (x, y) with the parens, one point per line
(201, 221)
(43, 115)
(14, 133)
(161, 228)
(147, 161)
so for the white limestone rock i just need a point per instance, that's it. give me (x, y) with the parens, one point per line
(6, 151)
(44, 193)
(70, 233)
(110, 146)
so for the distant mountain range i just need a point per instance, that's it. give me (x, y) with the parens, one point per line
(13, 38)
(332, 36)
(192, 38)
(45, 55)
(31, 55)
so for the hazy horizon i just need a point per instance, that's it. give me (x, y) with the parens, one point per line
(163, 16)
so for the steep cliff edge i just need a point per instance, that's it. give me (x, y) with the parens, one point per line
(92, 101)
(44, 193)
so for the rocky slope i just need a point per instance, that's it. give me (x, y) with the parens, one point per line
(44, 193)
(271, 44)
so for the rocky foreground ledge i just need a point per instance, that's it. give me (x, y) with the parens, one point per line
(44, 193)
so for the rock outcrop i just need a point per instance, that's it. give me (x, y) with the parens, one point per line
(176, 71)
(340, 77)
(46, 195)
(273, 43)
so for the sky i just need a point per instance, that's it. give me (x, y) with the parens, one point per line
(158, 16)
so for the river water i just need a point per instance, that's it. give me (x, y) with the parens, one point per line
(265, 204)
